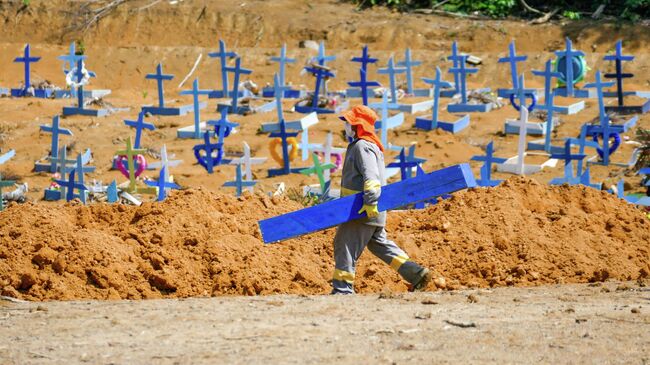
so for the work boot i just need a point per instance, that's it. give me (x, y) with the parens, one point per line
(423, 281)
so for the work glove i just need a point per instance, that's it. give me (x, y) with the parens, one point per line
(371, 210)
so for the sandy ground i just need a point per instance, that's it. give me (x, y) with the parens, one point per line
(602, 323)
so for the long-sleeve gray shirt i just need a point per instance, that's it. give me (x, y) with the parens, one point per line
(363, 171)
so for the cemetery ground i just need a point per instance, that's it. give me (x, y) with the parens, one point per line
(525, 272)
(602, 322)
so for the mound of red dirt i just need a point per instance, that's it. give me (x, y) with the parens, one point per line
(198, 243)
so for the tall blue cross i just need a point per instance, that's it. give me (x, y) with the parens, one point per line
(462, 72)
(605, 128)
(162, 185)
(27, 59)
(237, 70)
(549, 106)
(568, 158)
(282, 133)
(61, 162)
(568, 55)
(438, 84)
(160, 77)
(282, 60)
(320, 73)
(391, 71)
(405, 164)
(239, 184)
(618, 57)
(486, 168)
(513, 59)
(195, 92)
(455, 59)
(223, 56)
(56, 131)
(139, 126)
(408, 64)
(386, 123)
(365, 59)
(600, 86)
(223, 126)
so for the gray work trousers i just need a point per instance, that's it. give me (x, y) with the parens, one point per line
(350, 241)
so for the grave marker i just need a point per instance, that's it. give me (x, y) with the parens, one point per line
(461, 73)
(195, 131)
(486, 168)
(429, 124)
(319, 169)
(512, 59)
(223, 56)
(386, 123)
(239, 184)
(139, 126)
(162, 184)
(161, 109)
(80, 109)
(27, 59)
(247, 161)
(618, 58)
(111, 192)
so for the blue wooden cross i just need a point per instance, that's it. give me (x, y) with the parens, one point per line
(486, 168)
(222, 126)
(281, 131)
(363, 82)
(160, 77)
(322, 58)
(282, 60)
(391, 71)
(408, 64)
(386, 123)
(605, 129)
(568, 55)
(80, 109)
(429, 124)
(56, 131)
(237, 70)
(406, 164)
(4, 184)
(223, 56)
(61, 162)
(208, 161)
(513, 59)
(548, 105)
(618, 57)
(239, 184)
(111, 192)
(462, 71)
(195, 92)
(335, 212)
(70, 185)
(455, 59)
(568, 157)
(162, 185)
(70, 60)
(320, 73)
(27, 60)
(139, 126)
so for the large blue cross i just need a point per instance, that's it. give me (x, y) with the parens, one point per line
(408, 64)
(405, 164)
(322, 58)
(160, 77)
(162, 185)
(320, 73)
(239, 184)
(365, 59)
(391, 71)
(486, 168)
(195, 92)
(27, 59)
(568, 55)
(139, 126)
(513, 59)
(56, 131)
(438, 84)
(600, 86)
(282, 60)
(70, 60)
(568, 158)
(237, 70)
(548, 105)
(462, 72)
(223, 56)
(363, 82)
(618, 57)
(282, 134)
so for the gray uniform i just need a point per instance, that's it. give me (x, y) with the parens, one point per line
(363, 170)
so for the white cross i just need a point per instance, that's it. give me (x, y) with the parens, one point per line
(328, 149)
(247, 161)
(165, 162)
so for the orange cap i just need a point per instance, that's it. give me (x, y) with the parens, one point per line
(364, 118)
